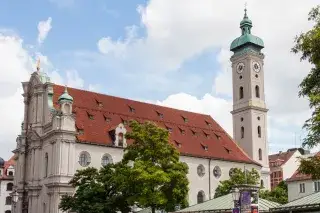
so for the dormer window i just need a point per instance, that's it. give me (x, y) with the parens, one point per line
(182, 131)
(90, 116)
(205, 147)
(132, 109)
(160, 115)
(178, 144)
(185, 119)
(80, 131)
(206, 134)
(169, 129)
(227, 150)
(208, 123)
(193, 132)
(99, 103)
(107, 119)
(125, 122)
(217, 136)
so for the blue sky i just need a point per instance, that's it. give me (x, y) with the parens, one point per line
(169, 52)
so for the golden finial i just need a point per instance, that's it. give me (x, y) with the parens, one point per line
(38, 64)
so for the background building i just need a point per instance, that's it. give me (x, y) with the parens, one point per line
(301, 185)
(6, 184)
(284, 164)
(69, 129)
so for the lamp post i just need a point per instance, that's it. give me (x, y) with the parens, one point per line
(14, 197)
(236, 196)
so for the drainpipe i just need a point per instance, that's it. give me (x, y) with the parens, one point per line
(209, 179)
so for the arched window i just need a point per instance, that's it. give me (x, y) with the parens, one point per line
(259, 131)
(9, 186)
(10, 173)
(241, 92)
(257, 91)
(242, 132)
(46, 162)
(200, 197)
(8, 200)
(261, 184)
(260, 154)
(8, 211)
(120, 139)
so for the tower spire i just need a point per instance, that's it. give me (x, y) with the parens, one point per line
(245, 10)
(38, 65)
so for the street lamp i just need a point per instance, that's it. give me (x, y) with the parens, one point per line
(236, 196)
(15, 196)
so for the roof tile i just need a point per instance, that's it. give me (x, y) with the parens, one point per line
(116, 110)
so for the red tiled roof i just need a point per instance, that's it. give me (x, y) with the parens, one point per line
(283, 157)
(297, 176)
(109, 111)
(7, 164)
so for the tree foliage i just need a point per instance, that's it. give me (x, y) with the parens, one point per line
(103, 191)
(238, 177)
(308, 45)
(156, 179)
(279, 194)
(160, 176)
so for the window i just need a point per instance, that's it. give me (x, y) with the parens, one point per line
(120, 139)
(201, 170)
(84, 159)
(241, 92)
(242, 132)
(46, 162)
(200, 197)
(217, 172)
(257, 91)
(90, 116)
(8, 211)
(9, 186)
(231, 171)
(132, 109)
(185, 119)
(302, 188)
(241, 119)
(317, 186)
(261, 184)
(182, 131)
(106, 159)
(8, 200)
(259, 131)
(10, 173)
(260, 154)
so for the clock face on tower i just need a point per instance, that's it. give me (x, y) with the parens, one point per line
(240, 67)
(256, 66)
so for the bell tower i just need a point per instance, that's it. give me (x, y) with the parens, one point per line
(249, 108)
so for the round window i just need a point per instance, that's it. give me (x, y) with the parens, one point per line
(217, 171)
(201, 170)
(84, 159)
(106, 159)
(231, 172)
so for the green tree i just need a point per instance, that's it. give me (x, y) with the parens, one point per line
(308, 45)
(279, 194)
(160, 178)
(238, 177)
(103, 191)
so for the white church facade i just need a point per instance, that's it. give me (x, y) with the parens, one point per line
(69, 129)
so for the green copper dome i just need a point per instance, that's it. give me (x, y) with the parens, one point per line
(246, 38)
(65, 96)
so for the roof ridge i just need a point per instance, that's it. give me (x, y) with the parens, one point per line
(113, 96)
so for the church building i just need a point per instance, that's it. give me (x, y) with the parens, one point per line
(66, 129)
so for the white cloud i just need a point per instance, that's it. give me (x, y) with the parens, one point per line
(44, 28)
(17, 63)
(177, 30)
